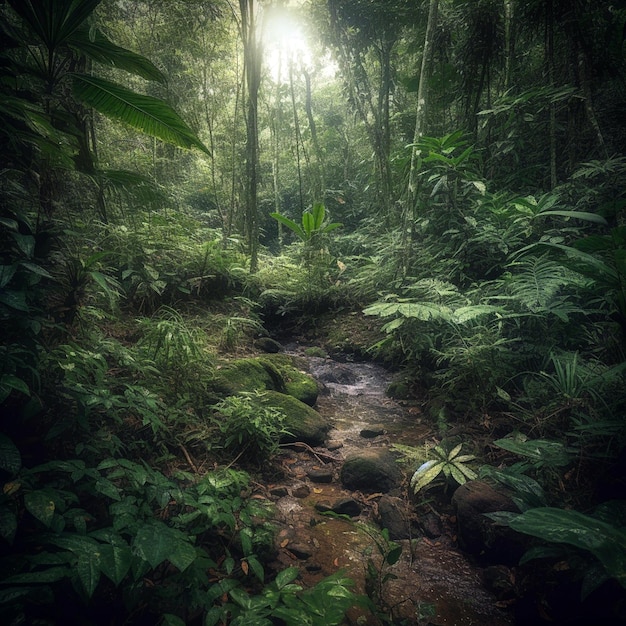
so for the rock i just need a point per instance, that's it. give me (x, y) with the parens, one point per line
(334, 444)
(394, 516)
(478, 534)
(347, 506)
(337, 374)
(324, 475)
(323, 507)
(316, 352)
(300, 551)
(430, 525)
(300, 490)
(500, 580)
(374, 430)
(267, 344)
(344, 506)
(279, 492)
(304, 423)
(371, 469)
(272, 372)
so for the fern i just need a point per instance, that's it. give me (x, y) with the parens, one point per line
(537, 286)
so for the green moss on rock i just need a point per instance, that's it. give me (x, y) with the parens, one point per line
(304, 423)
(272, 372)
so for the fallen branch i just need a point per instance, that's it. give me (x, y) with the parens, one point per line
(320, 456)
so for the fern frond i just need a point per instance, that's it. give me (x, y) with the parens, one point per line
(538, 282)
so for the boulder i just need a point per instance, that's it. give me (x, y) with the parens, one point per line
(273, 372)
(269, 345)
(373, 430)
(371, 469)
(478, 534)
(304, 423)
(395, 517)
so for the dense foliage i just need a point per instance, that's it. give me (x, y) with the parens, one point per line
(454, 170)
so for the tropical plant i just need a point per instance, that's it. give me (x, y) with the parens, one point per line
(379, 572)
(313, 225)
(248, 427)
(451, 464)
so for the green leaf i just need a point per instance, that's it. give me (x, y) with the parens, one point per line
(97, 47)
(54, 22)
(606, 542)
(115, 561)
(155, 542)
(13, 382)
(10, 458)
(49, 575)
(296, 228)
(40, 505)
(425, 474)
(149, 115)
(286, 576)
(172, 620)
(579, 215)
(87, 570)
(8, 524)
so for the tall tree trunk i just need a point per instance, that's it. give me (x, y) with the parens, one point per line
(318, 176)
(250, 32)
(420, 118)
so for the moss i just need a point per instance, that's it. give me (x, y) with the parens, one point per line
(316, 351)
(275, 372)
(304, 423)
(297, 383)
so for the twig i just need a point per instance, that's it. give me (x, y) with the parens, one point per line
(188, 457)
(320, 456)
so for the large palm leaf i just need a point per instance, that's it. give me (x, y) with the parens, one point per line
(54, 21)
(144, 113)
(98, 48)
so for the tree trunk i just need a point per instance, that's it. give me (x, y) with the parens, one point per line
(421, 110)
(252, 69)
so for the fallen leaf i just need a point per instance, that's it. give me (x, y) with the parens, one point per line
(317, 490)
(284, 542)
(244, 567)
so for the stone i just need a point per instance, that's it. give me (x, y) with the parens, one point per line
(347, 506)
(323, 507)
(371, 469)
(430, 525)
(279, 492)
(323, 475)
(269, 345)
(374, 430)
(481, 536)
(302, 422)
(394, 516)
(272, 372)
(334, 444)
(336, 374)
(300, 551)
(300, 490)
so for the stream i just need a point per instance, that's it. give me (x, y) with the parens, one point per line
(433, 582)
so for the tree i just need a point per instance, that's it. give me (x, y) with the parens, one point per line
(252, 52)
(52, 46)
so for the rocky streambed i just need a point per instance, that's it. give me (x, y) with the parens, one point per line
(333, 500)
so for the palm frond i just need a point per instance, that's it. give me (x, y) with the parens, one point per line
(98, 48)
(54, 21)
(147, 114)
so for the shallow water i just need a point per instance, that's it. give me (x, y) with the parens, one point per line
(431, 574)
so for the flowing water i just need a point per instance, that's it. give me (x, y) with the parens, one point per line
(433, 582)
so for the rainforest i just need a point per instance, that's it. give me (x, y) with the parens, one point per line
(312, 312)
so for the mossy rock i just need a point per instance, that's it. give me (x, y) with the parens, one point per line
(304, 423)
(272, 372)
(297, 383)
(371, 469)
